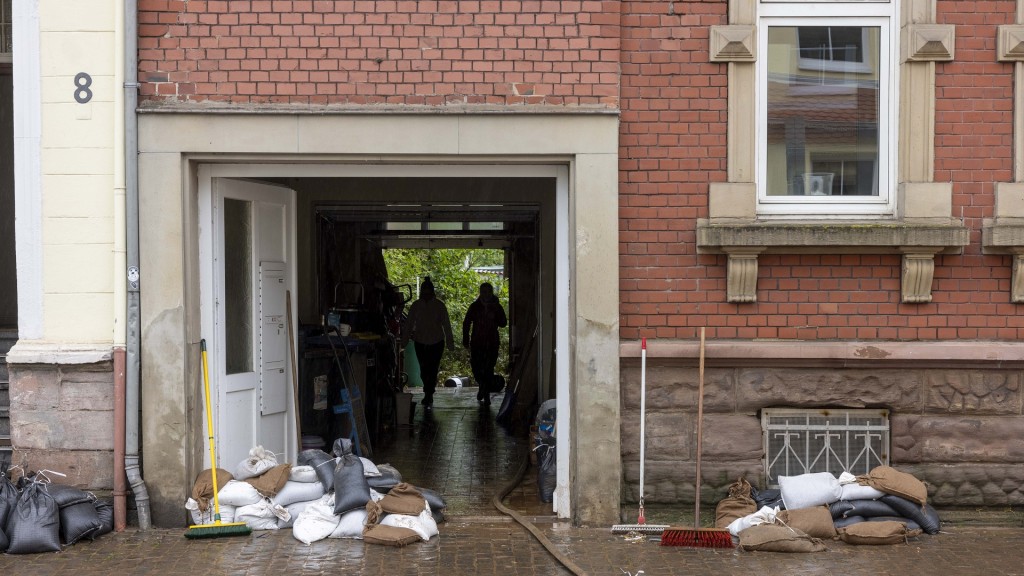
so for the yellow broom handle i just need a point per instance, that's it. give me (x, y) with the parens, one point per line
(209, 428)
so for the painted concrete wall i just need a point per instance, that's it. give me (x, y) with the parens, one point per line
(173, 146)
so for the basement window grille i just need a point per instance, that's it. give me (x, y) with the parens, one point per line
(801, 441)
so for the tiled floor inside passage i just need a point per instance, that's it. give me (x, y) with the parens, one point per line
(459, 450)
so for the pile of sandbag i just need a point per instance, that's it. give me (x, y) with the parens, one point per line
(39, 516)
(885, 506)
(337, 495)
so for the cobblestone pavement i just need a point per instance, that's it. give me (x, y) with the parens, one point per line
(494, 546)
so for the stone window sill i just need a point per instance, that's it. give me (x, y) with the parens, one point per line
(745, 240)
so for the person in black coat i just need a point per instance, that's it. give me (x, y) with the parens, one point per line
(480, 335)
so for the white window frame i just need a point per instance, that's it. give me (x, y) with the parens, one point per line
(827, 13)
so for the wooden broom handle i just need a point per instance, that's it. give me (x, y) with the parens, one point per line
(700, 426)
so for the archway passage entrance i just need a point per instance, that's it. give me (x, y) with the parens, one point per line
(350, 376)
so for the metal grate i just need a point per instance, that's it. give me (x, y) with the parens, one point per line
(803, 441)
(6, 43)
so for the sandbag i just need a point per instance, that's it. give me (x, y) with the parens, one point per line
(342, 447)
(423, 523)
(294, 510)
(202, 489)
(390, 535)
(910, 524)
(807, 490)
(293, 492)
(105, 512)
(815, 521)
(858, 492)
(736, 505)
(892, 481)
(3, 540)
(389, 470)
(351, 491)
(876, 533)
(33, 525)
(870, 508)
(302, 474)
(316, 522)
(78, 521)
(237, 493)
(437, 503)
(840, 509)
(68, 495)
(385, 482)
(845, 521)
(770, 497)
(271, 481)
(199, 516)
(259, 461)
(765, 515)
(403, 499)
(351, 525)
(369, 468)
(777, 538)
(261, 516)
(318, 460)
(925, 516)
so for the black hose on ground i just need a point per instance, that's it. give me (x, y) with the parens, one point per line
(530, 527)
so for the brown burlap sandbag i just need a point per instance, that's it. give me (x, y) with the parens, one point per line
(270, 482)
(404, 498)
(892, 481)
(874, 533)
(202, 490)
(778, 538)
(737, 505)
(389, 535)
(815, 521)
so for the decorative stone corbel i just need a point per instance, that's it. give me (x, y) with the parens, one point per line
(741, 282)
(1017, 285)
(929, 42)
(1010, 43)
(733, 43)
(918, 272)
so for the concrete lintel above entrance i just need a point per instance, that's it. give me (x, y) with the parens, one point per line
(580, 151)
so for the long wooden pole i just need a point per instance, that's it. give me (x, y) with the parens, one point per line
(700, 426)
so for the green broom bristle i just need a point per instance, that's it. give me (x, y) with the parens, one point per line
(697, 537)
(218, 530)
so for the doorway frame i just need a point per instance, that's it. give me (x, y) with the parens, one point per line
(174, 143)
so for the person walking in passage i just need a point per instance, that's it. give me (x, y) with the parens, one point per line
(429, 328)
(480, 334)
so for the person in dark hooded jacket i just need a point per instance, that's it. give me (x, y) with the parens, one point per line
(480, 335)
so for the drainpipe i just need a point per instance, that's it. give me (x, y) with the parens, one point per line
(132, 340)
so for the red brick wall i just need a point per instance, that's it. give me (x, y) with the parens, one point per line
(673, 146)
(432, 52)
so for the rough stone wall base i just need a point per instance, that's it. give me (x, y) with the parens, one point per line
(62, 420)
(960, 430)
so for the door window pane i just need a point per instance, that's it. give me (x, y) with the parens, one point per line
(823, 110)
(238, 293)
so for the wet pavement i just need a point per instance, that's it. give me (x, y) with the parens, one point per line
(461, 453)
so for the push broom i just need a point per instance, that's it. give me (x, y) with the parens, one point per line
(641, 522)
(698, 537)
(218, 528)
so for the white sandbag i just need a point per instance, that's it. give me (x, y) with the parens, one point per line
(376, 496)
(423, 524)
(316, 522)
(807, 490)
(259, 461)
(851, 489)
(766, 515)
(227, 512)
(302, 474)
(294, 510)
(369, 468)
(263, 515)
(237, 494)
(351, 525)
(293, 492)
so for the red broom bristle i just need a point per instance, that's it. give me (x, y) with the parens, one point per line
(697, 538)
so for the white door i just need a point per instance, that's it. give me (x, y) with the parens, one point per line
(252, 271)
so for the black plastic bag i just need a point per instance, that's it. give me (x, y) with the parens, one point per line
(8, 496)
(351, 490)
(844, 521)
(318, 460)
(342, 447)
(78, 521)
(388, 479)
(547, 471)
(34, 523)
(105, 512)
(770, 497)
(3, 540)
(68, 495)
